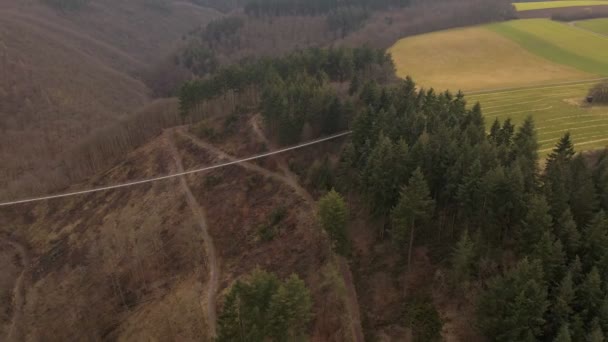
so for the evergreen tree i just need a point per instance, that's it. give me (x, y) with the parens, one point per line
(514, 305)
(583, 199)
(263, 308)
(463, 260)
(595, 241)
(551, 255)
(525, 153)
(414, 208)
(562, 306)
(563, 334)
(470, 193)
(564, 150)
(568, 233)
(591, 296)
(596, 334)
(333, 215)
(536, 223)
(290, 310)
(379, 178)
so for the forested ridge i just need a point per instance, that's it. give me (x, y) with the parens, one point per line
(530, 244)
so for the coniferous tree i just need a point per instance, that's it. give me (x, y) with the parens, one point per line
(414, 208)
(514, 305)
(567, 231)
(463, 260)
(536, 223)
(561, 310)
(591, 295)
(525, 153)
(563, 334)
(596, 334)
(333, 215)
(583, 199)
(551, 255)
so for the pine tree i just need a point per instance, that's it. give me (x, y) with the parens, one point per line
(568, 233)
(414, 208)
(564, 150)
(378, 178)
(333, 215)
(596, 334)
(525, 153)
(536, 222)
(595, 240)
(563, 334)
(470, 193)
(290, 310)
(463, 260)
(591, 295)
(551, 255)
(583, 199)
(514, 305)
(561, 309)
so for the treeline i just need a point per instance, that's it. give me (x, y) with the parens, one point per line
(314, 7)
(423, 161)
(293, 92)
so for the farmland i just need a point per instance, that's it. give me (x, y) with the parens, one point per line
(528, 6)
(556, 110)
(473, 59)
(543, 62)
(559, 43)
(595, 25)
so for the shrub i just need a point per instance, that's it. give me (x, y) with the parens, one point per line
(600, 92)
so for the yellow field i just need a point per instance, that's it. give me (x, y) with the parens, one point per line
(475, 59)
(527, 6)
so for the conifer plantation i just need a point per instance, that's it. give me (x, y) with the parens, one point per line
(531, 242)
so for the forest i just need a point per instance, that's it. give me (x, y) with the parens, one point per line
(530, 242)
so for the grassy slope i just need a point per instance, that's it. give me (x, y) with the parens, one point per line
(596, 25)
(559, 43)
(556, 110)
(527, 6)
(474, 58)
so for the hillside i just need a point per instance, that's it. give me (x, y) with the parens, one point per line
(69, 73)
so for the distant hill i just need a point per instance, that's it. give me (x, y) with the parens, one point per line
(67, 72)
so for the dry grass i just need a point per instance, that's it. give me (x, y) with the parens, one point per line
(474, 58)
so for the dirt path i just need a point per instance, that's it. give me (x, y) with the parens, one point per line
(15, 330)
(292, 179)
(250, 166)
(352, 302)
(213, 264)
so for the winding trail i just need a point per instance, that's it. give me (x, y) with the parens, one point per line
(249, 166)
(15, 330)
(352, 301)
(199, 214)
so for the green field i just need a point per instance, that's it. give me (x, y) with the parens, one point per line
(529, 58)
(596, 25)
(556, 110)
(476, 58)
(527, 6)
(559, 43)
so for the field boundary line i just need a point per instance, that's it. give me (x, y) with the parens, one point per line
(179, 174)
(539, 86)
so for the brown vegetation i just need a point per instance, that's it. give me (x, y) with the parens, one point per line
(566, 13)
(66, 75)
